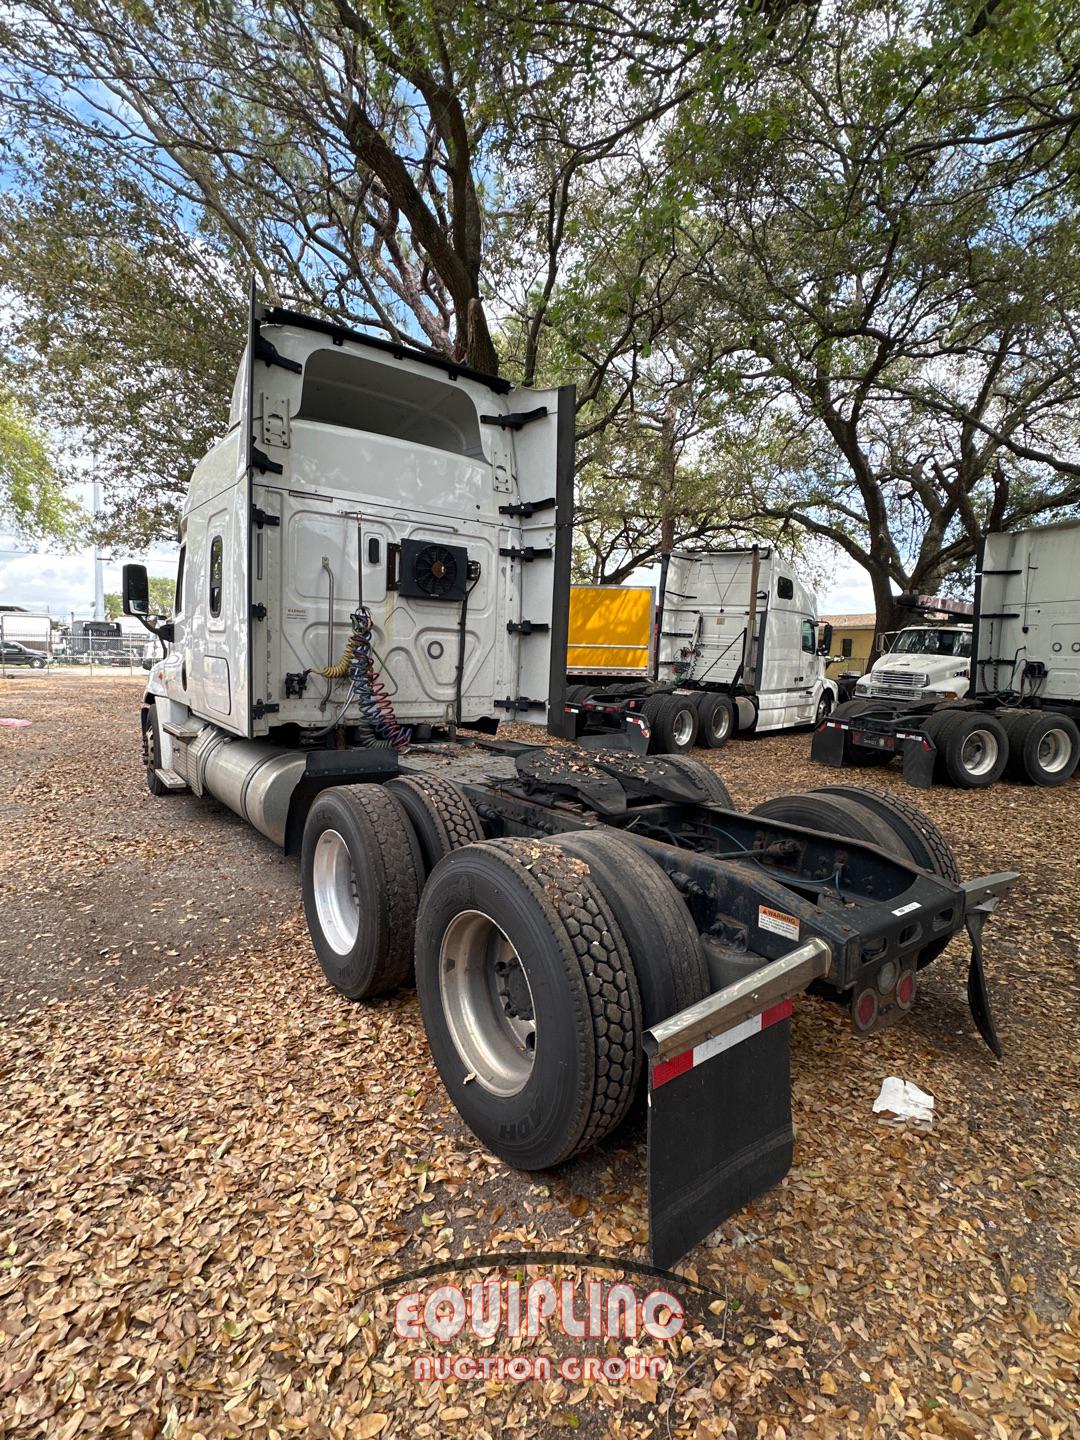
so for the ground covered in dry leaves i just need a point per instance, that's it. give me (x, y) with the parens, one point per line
(207, 1158)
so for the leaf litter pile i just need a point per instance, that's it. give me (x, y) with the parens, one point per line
(208, 1159)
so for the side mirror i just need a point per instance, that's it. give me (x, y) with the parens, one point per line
(825, 640)
(136, 591)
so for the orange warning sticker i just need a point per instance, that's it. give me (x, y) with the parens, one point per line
(778, 921)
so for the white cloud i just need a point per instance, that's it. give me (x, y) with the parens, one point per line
(64, 584)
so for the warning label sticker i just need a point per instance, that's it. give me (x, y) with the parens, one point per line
(295, 612)
(778, 921)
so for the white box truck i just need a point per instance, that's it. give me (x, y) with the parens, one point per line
(1004, 700)
(375, 570)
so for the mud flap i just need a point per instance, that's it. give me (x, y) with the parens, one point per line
(978, 996)
(919, 757)
(633, 735)
(720, 1130)
(827, 744)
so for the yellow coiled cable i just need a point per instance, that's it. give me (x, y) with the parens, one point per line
(340, 671)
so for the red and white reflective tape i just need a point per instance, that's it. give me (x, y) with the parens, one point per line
(665, 1070)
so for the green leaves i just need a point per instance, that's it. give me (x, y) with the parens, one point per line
(32, 500)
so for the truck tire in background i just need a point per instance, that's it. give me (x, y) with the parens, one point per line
(440, 813)
(673, 723)
(529, 999)
(663, 941)
(877, 818)
(716, 792)
(361, 872)
(923, 840)
(152, 750)
(972, 745)
(716, 719)
(1044, 747)
(576, 693)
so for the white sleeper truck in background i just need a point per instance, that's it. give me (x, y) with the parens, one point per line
(739, 650)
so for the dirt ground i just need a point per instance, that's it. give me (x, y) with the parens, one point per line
(207, 1157)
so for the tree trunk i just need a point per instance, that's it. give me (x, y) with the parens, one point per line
(890, 615)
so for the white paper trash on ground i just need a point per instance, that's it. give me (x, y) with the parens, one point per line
(900, 1100)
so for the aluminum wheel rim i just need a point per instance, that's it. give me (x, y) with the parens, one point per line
(682, 731)
(979, 752)
(485, 995)
(337, 903)
(721, 721)
(1055, 751)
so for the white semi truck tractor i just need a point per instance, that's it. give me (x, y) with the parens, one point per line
(923, 662)
(971, 704)
(738, 649)
(374, 573)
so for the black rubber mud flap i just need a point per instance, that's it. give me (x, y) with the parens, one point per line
(827, 744)
(634, 735)
(978, 996)
(720, 1130)
(919, 758)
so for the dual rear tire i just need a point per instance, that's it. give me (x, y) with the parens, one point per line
(538, 964)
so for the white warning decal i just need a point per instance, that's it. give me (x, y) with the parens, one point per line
(778, 921)
(907, 909)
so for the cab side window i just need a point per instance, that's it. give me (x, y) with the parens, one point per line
(178, 598)
(785, 588)
(809, 638)
(216, 561)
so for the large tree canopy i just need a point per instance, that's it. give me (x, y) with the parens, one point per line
(888, 229)
(814, 270)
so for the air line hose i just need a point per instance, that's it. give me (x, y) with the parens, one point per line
(366, 688)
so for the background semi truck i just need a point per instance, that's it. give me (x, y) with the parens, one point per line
(375, 571)
(1006, 700)
(922, 662)
(737, 648)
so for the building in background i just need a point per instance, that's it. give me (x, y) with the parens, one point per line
(853, 641)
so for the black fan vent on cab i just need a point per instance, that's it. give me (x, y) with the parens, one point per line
(431, 570)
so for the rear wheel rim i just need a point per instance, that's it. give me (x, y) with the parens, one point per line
(721, 723)
(979, 752)
(682, 731)
(487, 1003)
(337, 903)
(1055, 751)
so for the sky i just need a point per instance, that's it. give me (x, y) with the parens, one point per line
(64, 584)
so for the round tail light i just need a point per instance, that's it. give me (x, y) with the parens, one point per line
(905, 991)
(866, 1010)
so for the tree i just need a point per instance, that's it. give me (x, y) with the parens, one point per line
(32, 500)
(407, 168)
(887, 228)
(162, 594)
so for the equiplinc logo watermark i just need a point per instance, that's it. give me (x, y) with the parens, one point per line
(510, 1312)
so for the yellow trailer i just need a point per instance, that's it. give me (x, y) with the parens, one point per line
(611, 631)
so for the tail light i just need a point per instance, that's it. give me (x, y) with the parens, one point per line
(905, 990)
(864, 1010)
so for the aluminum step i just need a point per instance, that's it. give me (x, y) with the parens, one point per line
(171, 780)
(185, 730)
